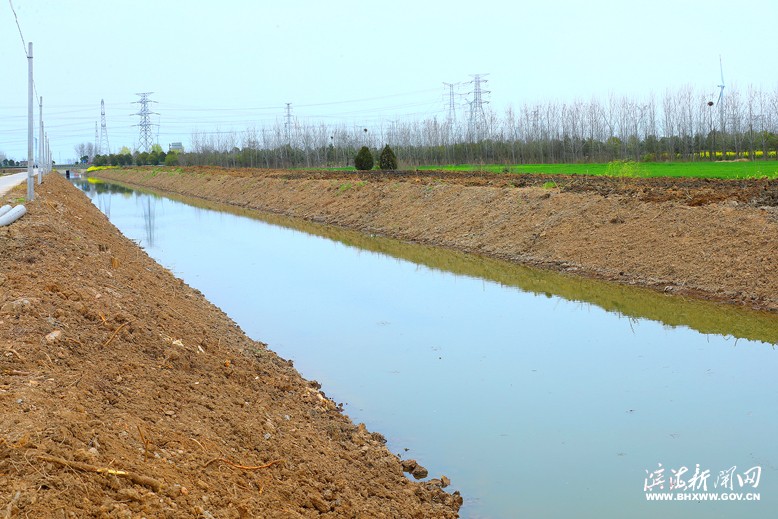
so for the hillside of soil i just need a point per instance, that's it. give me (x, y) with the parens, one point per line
(712, 239)
(124, 393)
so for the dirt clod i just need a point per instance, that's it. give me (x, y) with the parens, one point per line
(413, 468)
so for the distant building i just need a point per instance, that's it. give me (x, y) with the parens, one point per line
(176, 147)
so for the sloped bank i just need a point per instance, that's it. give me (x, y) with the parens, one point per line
(125, 393)
(699, 240)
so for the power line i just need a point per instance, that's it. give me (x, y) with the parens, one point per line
(370, 98)
(71, 119)
(24, 43)
(186, 108)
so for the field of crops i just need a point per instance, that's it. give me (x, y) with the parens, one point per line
(726, 170)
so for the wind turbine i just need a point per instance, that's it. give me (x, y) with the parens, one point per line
(721, 97)
(721, 86)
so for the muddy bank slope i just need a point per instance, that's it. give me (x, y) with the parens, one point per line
(704, 238)
(124, 393)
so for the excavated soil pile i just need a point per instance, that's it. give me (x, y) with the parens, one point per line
(714, 239)
(124, 393)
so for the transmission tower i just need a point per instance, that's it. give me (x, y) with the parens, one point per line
(104, 147)
(288, 124)
(477, 124)
(145, 137)
(452, 111)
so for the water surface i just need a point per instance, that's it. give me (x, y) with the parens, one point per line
(538, 394)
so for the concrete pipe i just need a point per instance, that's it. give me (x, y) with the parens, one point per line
(12, 215)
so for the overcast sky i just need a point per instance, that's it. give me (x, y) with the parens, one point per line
(234, 64)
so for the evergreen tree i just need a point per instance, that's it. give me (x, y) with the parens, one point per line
(387, 159)
(364, 159)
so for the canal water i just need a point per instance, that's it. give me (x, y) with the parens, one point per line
(538, 394)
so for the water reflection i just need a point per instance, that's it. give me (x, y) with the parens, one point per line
(540, 395)
(149, 220)
(630, 302)
(148, 203)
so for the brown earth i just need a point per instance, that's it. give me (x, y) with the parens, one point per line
(124, 393)
(713, 239)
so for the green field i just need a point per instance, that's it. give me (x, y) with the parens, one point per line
(728, 170)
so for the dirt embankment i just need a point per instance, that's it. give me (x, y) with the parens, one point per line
(124, 393)
(705, 238)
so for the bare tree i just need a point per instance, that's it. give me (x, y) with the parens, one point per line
(679, 125)
(85, 149)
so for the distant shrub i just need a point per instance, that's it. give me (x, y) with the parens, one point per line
(141, 158)
(364, 159)
(387, 159)
(171, 159)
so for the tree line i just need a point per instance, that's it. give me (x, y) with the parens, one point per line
(681, 125)
(154, 157)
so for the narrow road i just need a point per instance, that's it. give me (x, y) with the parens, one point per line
(7, 182)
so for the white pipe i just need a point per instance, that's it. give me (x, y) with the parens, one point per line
(4, 209)
(12, 215)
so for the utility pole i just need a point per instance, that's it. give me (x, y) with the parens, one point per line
(41, 169)
(30, 126)
(288, 124)
(477, 123)
(145, 137)
(97, 141)
(40, 139)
